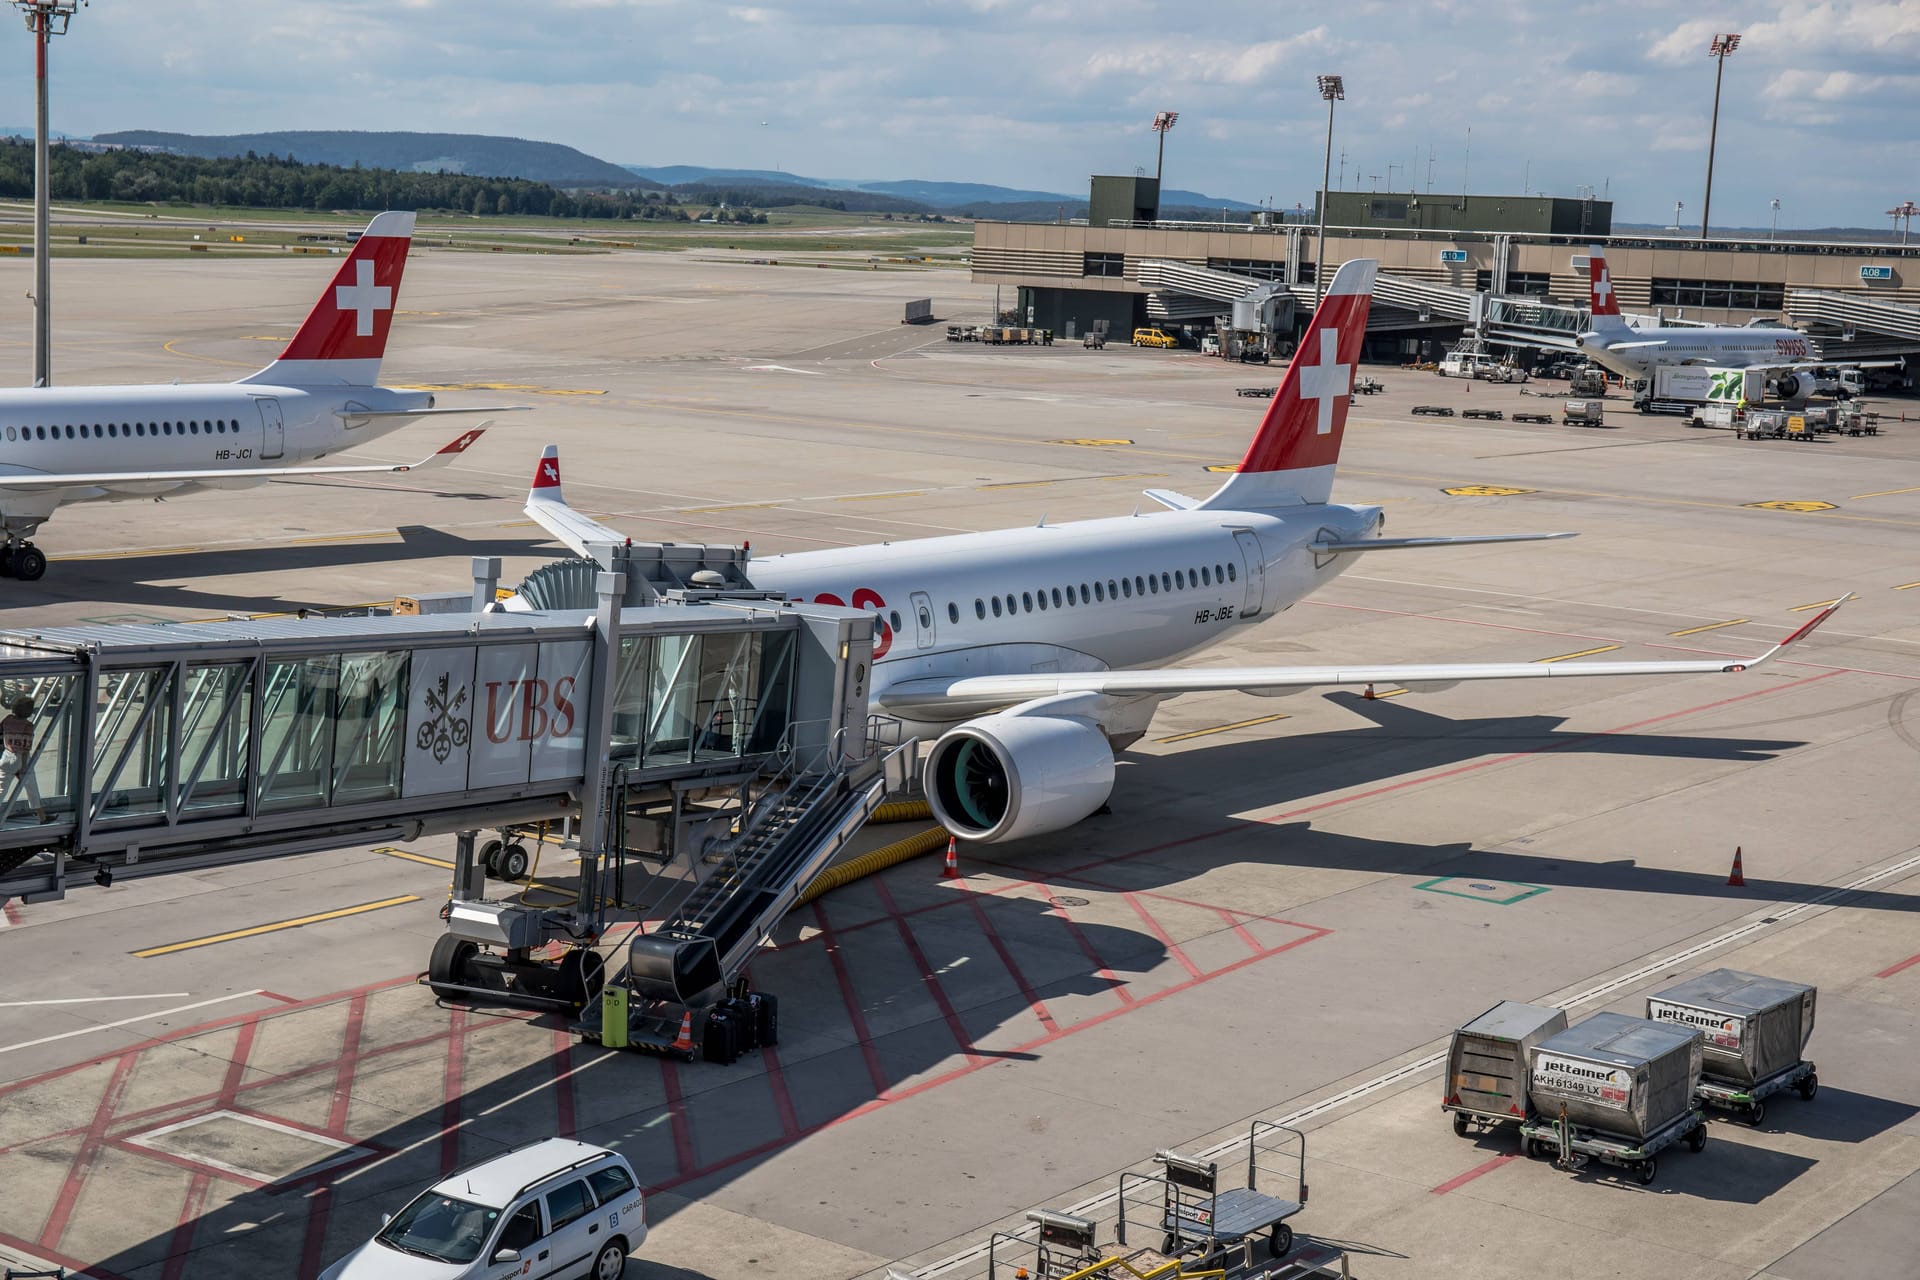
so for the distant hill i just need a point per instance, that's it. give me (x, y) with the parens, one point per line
(465, 153)
(1013, 203)
(676, 174)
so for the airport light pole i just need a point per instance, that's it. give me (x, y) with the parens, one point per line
(1774, 230)
(1720, 48)
(1162, 121)
(1902, 215)
(46, 19)
(1333, 89)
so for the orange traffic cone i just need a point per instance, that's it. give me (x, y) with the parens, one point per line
(683, 1043)
(1737, 880)
(952, 869)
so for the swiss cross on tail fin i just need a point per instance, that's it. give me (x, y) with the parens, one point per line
(346, 332)
(1292, 456)
(1606, 306)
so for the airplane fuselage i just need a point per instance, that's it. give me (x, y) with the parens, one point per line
(1091, 595)
(140, 430)
(1723, 346)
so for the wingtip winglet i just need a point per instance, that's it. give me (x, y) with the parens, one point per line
(546, 477)
(1818, 618)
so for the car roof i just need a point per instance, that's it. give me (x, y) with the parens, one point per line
(497, 1181)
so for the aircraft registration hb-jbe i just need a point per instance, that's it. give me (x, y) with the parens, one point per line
(1032, 654)
(106, 443)
(1635, 353)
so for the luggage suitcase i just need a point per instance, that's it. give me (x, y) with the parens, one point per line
(740, 1012)
(766, 1017)
(720, 1039)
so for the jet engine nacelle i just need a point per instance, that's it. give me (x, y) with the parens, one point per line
(1016, 774)
(1796, 385)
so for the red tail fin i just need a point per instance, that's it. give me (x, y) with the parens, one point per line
(346, 332)
(1600, 285)
(1293, 454)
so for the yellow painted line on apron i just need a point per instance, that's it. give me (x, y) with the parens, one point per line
(882, 497)
(1907, 586)
(738, 506)
(275, 927)
(1223, 728)
(127, 555)
(1883, 493)
(1584, 653)
(421, 858)
(1817, 604)
(1711, 626)
(1019, 484)
(340, 537)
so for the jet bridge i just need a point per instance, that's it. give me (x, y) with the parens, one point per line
(709, 751)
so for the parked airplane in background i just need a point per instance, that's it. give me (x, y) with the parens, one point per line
(108, 443)
(1032, 654)
(1787, 354)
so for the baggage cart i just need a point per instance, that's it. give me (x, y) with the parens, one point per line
(1731, 1095)
(1572, 1146)
(1197, 1214)
(1616, 1074)
(1583, 413)
(1486, 1082)
(1752, 1027)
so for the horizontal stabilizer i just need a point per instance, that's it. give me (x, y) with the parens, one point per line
(1407, 544)
(356, 415)
(1172, 501)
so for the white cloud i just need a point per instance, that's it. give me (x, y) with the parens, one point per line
(1039, 93)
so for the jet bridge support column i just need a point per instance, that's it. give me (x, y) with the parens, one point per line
(596, 806)
(486, 581)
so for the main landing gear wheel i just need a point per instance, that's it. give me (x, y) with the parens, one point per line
(29, 563)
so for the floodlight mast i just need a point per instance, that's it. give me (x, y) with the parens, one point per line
(46, 19)
(1162, 121)
(1333, 89)
(1722, 46)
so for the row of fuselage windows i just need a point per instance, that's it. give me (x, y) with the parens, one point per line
(1070, 596)
(127, 430)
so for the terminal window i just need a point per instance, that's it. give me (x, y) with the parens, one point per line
(1252, 268)
(1105, 264)
(1527, 284)
(1731, 294)
(1387, 209)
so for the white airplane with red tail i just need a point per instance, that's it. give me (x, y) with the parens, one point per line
(118, 443)
(1031, 655)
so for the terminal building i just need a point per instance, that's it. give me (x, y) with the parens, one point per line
(1513, 266)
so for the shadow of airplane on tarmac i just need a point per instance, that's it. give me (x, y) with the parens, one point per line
(695, 1129)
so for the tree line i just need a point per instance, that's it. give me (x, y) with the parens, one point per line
(275, 182)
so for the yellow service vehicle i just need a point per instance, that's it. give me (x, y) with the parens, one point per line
(1153, 338)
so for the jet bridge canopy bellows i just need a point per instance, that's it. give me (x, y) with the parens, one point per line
(562, 585)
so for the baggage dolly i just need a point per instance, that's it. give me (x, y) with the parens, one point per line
(1572, 1147)
(1729, 1095)
(1197, 1214)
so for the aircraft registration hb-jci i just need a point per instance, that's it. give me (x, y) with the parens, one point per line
(1032, 654)
(108, 443)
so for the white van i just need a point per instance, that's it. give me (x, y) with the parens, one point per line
(556, 1208)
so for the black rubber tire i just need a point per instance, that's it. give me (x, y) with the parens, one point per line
(1697, 1140)
(1646, 1171)
(611, 1262)
(1459, 1124)
(447, 966)
(1809, 1087)
(488, 855)
(570, 976)
(515, 862)
(1280, 1243)
(1757, 1114)
(29, 563)
(1171, 1243)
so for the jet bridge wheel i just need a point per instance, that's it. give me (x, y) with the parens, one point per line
(447, 967)
(28, 563)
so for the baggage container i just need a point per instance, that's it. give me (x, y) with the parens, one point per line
(1617, 1074)
(1754, 1027)
(1487, 1062)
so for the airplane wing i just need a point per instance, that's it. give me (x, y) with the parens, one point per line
(428, 413)
(548, 507)
(999, 691)
(35, 482)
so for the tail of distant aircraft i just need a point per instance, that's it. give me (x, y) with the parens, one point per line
(1292, 457)
(1606, 307)
(346, 332)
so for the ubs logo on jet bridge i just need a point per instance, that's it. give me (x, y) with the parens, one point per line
(1586, 1080)
(1721, 1031)
(524, 704)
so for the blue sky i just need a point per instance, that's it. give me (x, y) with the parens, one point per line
(1816, 111)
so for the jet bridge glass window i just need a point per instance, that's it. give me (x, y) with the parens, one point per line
(728, 681)
(332, 729)
(1111, 265)
(37, 782)
(132, 727)
(216, 717)
(1252, 268)
(1527, 284)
